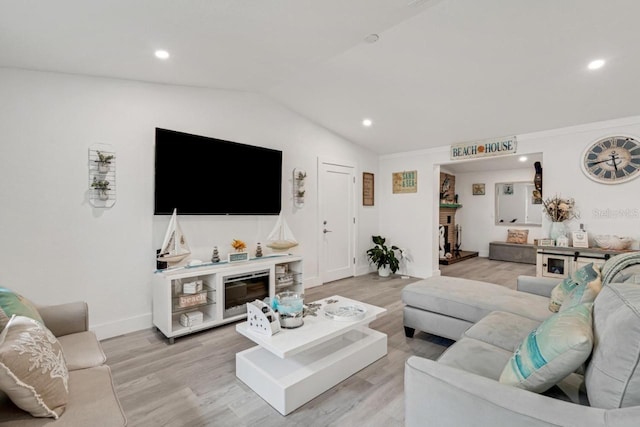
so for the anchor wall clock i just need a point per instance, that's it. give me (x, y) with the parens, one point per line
(612, 160)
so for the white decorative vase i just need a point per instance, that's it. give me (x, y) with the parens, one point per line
(384, 271)
(556, 230)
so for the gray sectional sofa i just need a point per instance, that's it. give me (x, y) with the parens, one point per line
(92, 397)
(489, 323)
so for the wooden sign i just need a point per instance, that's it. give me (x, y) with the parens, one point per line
(367, 189)
(405, 182)
(485, 148)
(191, 300)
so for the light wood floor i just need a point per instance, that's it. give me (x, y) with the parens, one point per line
(193, 383)
(484, 269)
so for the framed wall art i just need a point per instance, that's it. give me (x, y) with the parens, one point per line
(507, 189)
(477, 189)
(368, 189)
(405, 182)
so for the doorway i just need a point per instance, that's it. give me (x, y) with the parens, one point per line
(336, 201)
(477, 216)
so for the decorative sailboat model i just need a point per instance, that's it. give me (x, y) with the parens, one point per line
(281, 238)
(174, 247)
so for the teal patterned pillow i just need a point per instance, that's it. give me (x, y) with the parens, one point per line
(584, 292)
(558, 293)
(13, 303)
(556, 348)
(582, 276)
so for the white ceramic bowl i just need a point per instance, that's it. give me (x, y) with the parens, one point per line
(608, 241)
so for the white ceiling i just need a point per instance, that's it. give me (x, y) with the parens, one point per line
(443, 71)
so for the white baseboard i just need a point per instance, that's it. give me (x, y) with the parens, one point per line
(124, 326)
(361, 271)
(312, 282)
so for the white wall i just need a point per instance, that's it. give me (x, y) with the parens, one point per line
(410, 220)
(57, 248)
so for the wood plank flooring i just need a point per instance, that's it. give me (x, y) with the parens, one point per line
(193, 382)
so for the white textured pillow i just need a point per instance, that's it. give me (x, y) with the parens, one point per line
(33, 371)
(556, 348)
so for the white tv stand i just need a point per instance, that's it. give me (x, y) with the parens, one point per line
(168, 291)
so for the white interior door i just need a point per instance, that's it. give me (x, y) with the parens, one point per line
(336, 191)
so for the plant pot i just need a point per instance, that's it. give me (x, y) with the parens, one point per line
(103, 194)
(384, 271)
(103, 167)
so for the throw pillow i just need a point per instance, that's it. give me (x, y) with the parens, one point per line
(33, 371)
(583, 275)
(517, 236)
(584, 292)
(556, 348)
(12, 303)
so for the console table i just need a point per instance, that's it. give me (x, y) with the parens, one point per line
(293, 366)
(560, 262)
(276, 273)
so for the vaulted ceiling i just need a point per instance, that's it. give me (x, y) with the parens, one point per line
(441, 71)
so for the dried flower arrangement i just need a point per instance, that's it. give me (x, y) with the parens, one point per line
(558, 209)
(238, 245)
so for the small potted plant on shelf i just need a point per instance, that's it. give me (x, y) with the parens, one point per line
(102, 186)
(104, 161)
(383, 257)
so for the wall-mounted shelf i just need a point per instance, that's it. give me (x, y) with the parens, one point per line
(102, 176)
(299, 176)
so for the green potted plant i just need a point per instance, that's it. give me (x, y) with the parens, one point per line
(102, 186)
(104, 161)
(383, 257)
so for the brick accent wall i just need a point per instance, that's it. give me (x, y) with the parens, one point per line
(448, 217)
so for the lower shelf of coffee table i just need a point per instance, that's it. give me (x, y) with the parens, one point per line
(286, 384)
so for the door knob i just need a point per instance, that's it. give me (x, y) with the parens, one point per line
(325, 231)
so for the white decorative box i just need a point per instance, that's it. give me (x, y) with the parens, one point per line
(262, 319)
(191, 318)
(284, 280)
(192, 287)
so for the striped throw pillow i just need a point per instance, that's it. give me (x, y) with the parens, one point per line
(552, 351)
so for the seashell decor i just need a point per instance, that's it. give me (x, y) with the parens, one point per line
(608, 241)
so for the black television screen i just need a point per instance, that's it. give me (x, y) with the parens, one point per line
(206, 176)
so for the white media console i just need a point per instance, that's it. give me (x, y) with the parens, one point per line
(218, 291)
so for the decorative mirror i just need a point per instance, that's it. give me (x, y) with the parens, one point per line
(516, 204)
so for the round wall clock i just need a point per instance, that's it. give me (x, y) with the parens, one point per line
(612, 160)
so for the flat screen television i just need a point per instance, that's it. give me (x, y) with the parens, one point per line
(198, 175)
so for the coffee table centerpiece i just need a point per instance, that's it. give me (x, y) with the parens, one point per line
(293, 366)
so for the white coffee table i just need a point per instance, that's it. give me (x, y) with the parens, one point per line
(293, 366)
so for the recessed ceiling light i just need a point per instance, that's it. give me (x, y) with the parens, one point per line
(162, 54)
(594, 65)
(367, 122)
(523, 158)
(372, 38)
